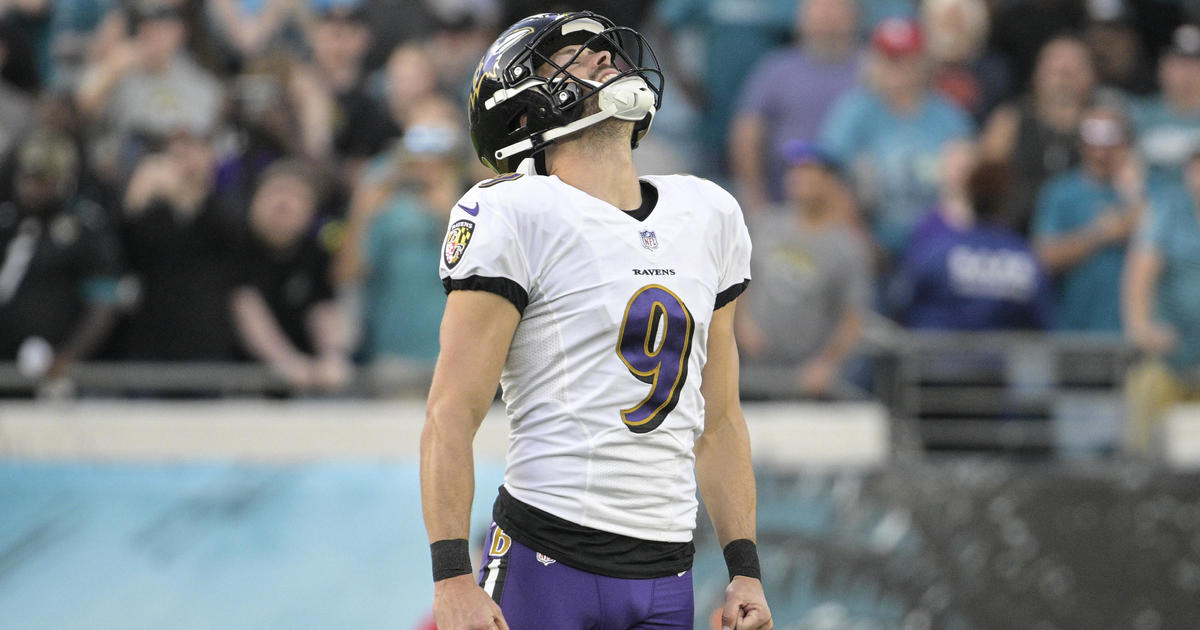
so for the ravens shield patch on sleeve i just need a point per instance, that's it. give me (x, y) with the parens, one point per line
(457, 240)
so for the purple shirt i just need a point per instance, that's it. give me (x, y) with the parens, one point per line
(983, 277)
(792, 89)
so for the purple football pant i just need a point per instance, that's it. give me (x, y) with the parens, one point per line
(537, 593)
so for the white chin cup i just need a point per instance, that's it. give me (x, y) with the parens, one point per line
(627, 98)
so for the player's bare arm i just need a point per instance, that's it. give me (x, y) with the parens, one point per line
(477, 328)
(725, 474)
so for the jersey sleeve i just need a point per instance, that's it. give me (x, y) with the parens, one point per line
(482, 250)
(735, 268)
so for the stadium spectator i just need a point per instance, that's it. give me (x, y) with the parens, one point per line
(396, 224)
(818, 269)
(1037, 135)
(54, 110)
(1168, 124)
(1083, 220)
(121, 17)
(283, 306)
(396, 22)
(1161, 305)
(70, 34)
(409, 78)
(16, 104)
(963, 69)
(735, 34)
(178, 235)
(455, 47)
(148, 86)
(58, 275)
(264, 117)
(344, 123)
(28, 42)
(965, 270)
(788, 95)
(1022, 28)
(891, 133)
(1116, 47)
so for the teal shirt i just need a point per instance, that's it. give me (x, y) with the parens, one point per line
(403, 296)
(1173, 232)
(1088, 296)
(900, 154)
(1165, 139)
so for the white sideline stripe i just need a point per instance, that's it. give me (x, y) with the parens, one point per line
(493, 572)
(819, 435)
(1181, 436)
(835, 434)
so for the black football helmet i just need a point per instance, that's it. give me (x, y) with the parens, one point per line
(515, 113)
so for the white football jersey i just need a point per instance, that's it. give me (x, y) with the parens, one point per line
(602, 380)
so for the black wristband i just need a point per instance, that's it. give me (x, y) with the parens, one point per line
(451, 558)
(741, 557)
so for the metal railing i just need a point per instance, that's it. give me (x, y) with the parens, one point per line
(1023, 392)
(215, 380)
(995, 390)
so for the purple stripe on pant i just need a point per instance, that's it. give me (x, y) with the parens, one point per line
(537, 593)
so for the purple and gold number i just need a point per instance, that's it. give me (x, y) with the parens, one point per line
(655, 342)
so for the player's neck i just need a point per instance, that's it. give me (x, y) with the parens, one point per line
(608, 175)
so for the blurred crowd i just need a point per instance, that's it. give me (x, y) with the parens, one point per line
(268, 180)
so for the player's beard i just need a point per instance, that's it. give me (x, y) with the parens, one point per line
(606, 130)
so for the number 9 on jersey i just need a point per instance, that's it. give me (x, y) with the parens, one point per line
(655, 343)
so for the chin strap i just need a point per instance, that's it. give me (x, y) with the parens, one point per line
(627, 98)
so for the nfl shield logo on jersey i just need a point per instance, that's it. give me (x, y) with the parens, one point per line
(545, 560)
(457, 240)
(649, 240)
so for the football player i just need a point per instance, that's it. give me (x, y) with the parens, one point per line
(602, 303)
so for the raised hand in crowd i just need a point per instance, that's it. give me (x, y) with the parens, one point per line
(120, 58)
(156, 177)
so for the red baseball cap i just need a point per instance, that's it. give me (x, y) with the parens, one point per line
(898, 37)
